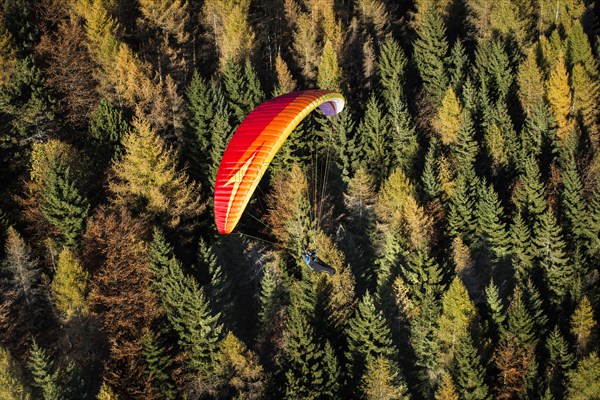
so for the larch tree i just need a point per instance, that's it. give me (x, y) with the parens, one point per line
(329, 73)
(7, 54)
(382, 380)
(69, 285)
(285, 80)
(147, 181)
(529, 79)
(449, 118)
(558, 93)
(583, 325)
(446, 389)
(11, 385)
(120, 296)
(230, 28)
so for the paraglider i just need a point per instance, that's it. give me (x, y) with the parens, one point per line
(255, 143)
(315, 263)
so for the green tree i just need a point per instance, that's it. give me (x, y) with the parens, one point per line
(429, 178)
(579, 50)
(45, 378)
(551, 257)
(492, 235)
(242, 88)
(270, 293)
(521, 248)
(461, 216)
(107, 127)
(158, 366)
(374, 131)
(69, 286)
(368, 337)
(586, 94)
(531, 197)
(469, 373)
(584, 381)
(430, 52)
(560, 361)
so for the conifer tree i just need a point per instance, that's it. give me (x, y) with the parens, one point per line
(303, 361)
(7, 54)
(391, 71)
(531, 196)
(65, 207)
(584, 381)
(269, 300)
(494, 309)
(560, 361)
(559, 97)
(579, 50)
(374, 131)
(219, 289)
(146, 179)
(491, 229)
(461, 216)
(465, 149)
(520, 327)
(513, 361)
(535, 306)
(158, 367)
(381, 380)
(187, 310)
(469, 373)
(106, 393)
(368, 336)
(285, 81)
(529, 79)
(456, 320)
(329, 73)
(449, 118)
(583, 324)
(242, 88)
(423, 274)
(11, 387)
(69, 286)
(238, 370)
(45, 378)
(551, 257)
(429, 178)
(107, 127)
(522, 248)
(459, 63)
(430, 52)
(586, 94)
(446, 390)
(231, 31)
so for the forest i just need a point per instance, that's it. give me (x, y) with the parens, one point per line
(457, 196)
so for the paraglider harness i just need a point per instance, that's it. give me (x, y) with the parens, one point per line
(315, 263)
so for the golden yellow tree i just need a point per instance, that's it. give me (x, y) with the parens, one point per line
(147, 181)
(583, 324)
(559, 97)
(449, 117)
(329, 73)
(446, 390)
(285, 80)
(227, 21)
(69, 286)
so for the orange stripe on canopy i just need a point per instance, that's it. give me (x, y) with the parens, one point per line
(255, 143)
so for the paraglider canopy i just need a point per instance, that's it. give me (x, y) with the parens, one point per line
(255, 143)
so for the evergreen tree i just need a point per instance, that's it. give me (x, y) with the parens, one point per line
(429, 178)
(584, 381)
(381, 380)
(539, 127)
(69, 286)
(560, 361)
(534, 304)
(465, 149)
(579, 50)
(491, 230)
(348, 153)
(520, 327)
(368, 337)
(494, 309)
(45, 379)
(423, 274)
(461, 216)
(242, 88)
(531, 196)
(522, 248)
(269, 300)
(469, 373)
(459, 63)
(219, 290)
(65, 207)
(374, 131)
(430, 52)
(586, 94)
(583, 324)
(551, 257)
(158, 367)
(107, 127)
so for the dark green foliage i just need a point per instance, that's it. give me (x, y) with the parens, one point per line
(242, 89)
(494, 310)
(492, 235)
(493, 69)
(368, 336)
(519, 323)
(560, 361)
(533, 303)
(429, 178)
(539, 126)
(423, 275)
(430, 52)
(522, 248)
(107, 127)
(469, 373)
(19, 17)
(461, 216)
(465, 149)
(425, 346)
(374, 132)
(459, 62)
(158, 366)
(530, 198)
(346, 150)
(64, 205)
(25, 114)
(270, 294)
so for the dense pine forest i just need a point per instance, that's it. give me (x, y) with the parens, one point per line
(457, 196)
